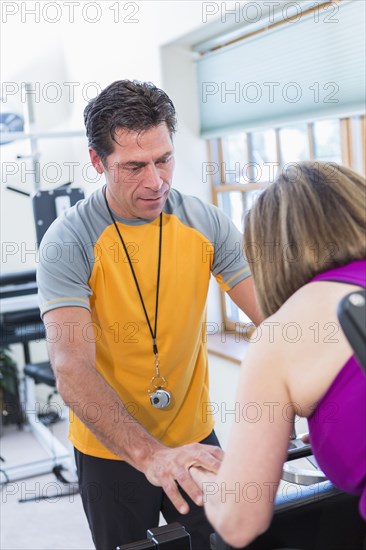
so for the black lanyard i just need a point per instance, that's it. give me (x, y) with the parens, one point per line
(153, 333)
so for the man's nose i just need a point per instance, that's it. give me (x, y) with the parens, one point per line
(152, 177)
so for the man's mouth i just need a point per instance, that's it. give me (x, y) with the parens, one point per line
(152, 199)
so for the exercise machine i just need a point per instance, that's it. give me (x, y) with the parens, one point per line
(20, 322)
(167, 537)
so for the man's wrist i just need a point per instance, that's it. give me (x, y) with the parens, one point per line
(143, 453)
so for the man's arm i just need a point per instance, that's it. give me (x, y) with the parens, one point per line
(243, 295)
(79, 383)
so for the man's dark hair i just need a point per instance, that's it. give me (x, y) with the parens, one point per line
(132, 105)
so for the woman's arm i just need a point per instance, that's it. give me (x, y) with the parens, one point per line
(292, 360)
(239, 500)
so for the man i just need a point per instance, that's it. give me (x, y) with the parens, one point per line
(127, 294)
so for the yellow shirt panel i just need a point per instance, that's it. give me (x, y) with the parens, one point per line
(124, 354)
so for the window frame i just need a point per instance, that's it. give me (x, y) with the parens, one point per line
(218, 185)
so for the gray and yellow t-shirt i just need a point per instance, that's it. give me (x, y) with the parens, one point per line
(82, 263)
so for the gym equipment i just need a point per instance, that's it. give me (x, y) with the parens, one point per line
(167, 537)
(14, 127)
(48, 205)
(293, 473)
(20, 322)
(10, 122)
(352, 316)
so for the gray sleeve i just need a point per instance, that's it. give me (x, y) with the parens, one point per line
(229, 265)
(225, 247)
(64, 267)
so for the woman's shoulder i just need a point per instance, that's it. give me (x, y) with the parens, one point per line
(318, 299)
(306, 341)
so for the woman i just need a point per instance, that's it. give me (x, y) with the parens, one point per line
(310, 221)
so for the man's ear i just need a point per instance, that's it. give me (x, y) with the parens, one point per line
(96, 161)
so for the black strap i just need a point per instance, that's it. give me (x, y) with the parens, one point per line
(152, 332)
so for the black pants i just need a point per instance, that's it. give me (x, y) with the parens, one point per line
(121, 504)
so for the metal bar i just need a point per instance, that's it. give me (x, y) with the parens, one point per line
(29, 124)
(15, 136)
(32, 469)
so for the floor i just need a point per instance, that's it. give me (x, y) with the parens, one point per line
(53, 522)
(56, 522)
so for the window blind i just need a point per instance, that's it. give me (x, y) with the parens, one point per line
(309, 69)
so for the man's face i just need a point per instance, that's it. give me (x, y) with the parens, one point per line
(138, 172)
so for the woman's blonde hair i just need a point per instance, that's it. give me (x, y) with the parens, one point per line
(311, 219)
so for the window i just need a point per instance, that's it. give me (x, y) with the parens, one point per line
(249, 161)
(295, 145)
(327, 141)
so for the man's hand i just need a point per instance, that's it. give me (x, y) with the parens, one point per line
(167, 467)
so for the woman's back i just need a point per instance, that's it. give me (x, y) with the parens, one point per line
(308, 343)
(324, 378)
(338, 424)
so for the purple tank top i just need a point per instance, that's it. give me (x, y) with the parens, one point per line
(338, 425)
